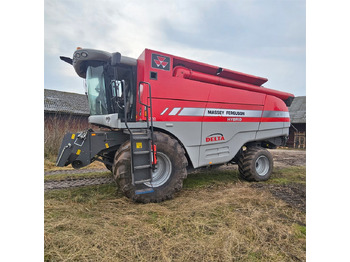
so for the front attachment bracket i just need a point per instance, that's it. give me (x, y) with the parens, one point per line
(82, 148)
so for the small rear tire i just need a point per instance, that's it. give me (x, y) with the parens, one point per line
(255, 164)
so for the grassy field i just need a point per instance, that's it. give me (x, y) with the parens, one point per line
(216, 217)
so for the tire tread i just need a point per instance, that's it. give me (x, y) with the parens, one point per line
(246, 166)
(122, 172)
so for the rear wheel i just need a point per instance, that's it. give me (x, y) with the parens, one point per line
(167, 178)
(255, 164)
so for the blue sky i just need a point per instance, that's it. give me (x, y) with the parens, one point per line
(263, 38)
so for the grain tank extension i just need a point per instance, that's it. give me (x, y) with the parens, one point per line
(160, 115)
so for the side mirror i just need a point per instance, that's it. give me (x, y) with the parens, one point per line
(117, 88)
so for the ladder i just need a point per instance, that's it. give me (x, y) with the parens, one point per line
(143, 150)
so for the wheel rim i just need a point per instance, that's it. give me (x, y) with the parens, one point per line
(262, 165)
(162, 171)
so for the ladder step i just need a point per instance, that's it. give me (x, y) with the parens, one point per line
(144, 191)
(140, 133)
(142, 167)
(141, 137)
(141, 152)
(142, 181)
(140, 130)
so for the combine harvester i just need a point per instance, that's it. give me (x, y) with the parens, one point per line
(161, 115)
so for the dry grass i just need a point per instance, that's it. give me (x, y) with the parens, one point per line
(56, 126)
(50, 165)
(215, 221)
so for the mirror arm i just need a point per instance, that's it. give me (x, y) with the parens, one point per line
(115, 59)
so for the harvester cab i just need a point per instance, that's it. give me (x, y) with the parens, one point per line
(111, 89)
(160, 115)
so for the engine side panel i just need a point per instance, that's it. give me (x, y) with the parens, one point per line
(275, 119)
(221, 141)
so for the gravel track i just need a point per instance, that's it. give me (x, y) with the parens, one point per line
(288, 157)
(74, 171)
(69, 183)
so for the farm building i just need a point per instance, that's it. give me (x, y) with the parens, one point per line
(297, 131)
(70, 111)
(63, 112)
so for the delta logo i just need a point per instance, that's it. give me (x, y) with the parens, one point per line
(215, 137)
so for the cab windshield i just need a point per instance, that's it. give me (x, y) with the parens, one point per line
(102, 95)
(96, 90)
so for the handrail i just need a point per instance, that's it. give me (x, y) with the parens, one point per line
(150, 109)
(125, 110)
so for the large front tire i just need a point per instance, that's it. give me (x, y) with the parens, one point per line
(167, 178)
(255, 164)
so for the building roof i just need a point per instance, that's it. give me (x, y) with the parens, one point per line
(64, 102)
(297, 110)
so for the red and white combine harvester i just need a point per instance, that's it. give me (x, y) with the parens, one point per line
(161, 115)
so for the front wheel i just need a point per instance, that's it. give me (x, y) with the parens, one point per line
(167, 178)
(255, 164)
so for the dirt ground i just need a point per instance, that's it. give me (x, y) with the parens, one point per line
(288, 157)
(281, 158)
(293, 194)
(239, 221)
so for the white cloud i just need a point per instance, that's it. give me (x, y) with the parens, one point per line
(230, 34)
